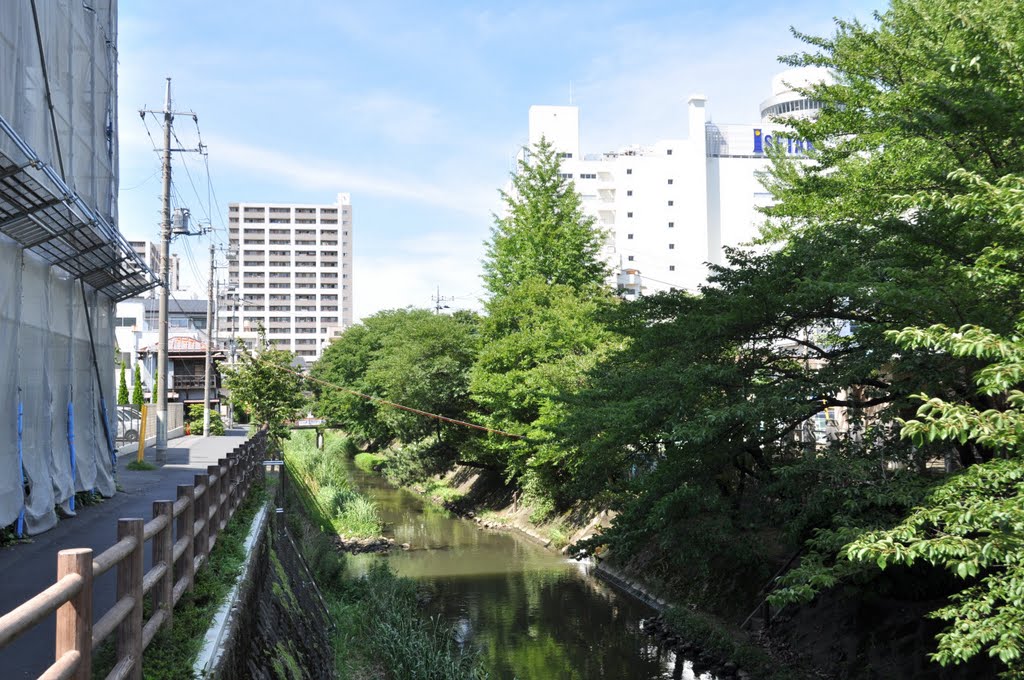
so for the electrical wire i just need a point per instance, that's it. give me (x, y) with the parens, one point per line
(381, 400)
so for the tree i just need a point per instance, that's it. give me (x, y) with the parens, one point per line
(265, 383)
(541, 333)
(122, 388)
(137, 397)
(409, 356)
(696, 421)
(424, 363)
(544, 232)
(156, 386)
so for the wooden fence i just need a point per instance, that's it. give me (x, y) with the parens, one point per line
(182, 533)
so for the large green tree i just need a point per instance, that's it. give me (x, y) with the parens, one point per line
(543, 232)
(265, 381)
(541, 333)
(701, 422)
(411, 357)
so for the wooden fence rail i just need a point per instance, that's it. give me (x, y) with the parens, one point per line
(181, 535)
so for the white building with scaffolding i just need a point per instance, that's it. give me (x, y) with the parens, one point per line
(63, 262)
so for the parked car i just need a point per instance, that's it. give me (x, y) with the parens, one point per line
(128, 420)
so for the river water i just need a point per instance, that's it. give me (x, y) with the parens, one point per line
(534, 614)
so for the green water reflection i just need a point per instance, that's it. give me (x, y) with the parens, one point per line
(533, 613)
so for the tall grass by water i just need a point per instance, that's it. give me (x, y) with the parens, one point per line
(380, 630)
(325, 484)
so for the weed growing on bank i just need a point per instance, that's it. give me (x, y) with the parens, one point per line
(324, 487)
(379, 626)
(172, 653)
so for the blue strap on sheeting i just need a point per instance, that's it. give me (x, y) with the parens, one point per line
(21, 469)
(71, 444)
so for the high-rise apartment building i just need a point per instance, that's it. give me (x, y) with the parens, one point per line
(289, 270)
(672, 206)
(150, 254)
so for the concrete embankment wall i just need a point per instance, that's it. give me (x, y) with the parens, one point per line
(275, 624)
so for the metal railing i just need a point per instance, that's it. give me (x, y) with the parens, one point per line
(181, 533)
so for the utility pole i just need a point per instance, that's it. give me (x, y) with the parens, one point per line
(439, 301)
(209, 349)
(165, 273)
(165, 270)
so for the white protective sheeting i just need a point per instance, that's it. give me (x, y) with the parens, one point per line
(48, 363)
(46, 356)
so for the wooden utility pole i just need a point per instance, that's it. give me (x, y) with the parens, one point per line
(165, 276)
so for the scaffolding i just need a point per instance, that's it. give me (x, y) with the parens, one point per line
(63, 263)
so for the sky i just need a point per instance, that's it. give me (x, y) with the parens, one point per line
(417, 110)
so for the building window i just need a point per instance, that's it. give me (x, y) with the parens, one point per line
(629, 192)
(629, 214)
(629, 236)
(671, 246)
(671, 267)
(669, 152)
(671, 224)
(565, 175)
(629, 171)
(670, 181)
(565, 155)
(629, 257)
(671, 203)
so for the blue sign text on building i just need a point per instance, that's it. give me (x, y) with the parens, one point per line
(791, 145)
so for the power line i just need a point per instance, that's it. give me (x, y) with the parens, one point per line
(381, 400)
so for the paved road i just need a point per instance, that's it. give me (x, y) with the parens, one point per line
(28, 568)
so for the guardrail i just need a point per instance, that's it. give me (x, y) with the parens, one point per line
(182, 533)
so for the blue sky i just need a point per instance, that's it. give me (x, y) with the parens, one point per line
(417, 109)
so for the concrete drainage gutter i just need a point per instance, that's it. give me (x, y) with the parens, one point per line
(225, 621)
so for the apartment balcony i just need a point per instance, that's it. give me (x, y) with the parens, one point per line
(188, 382)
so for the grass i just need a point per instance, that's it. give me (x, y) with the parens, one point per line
(380, 630)
(436, 489)
(172, 653)
(369, 462)
(140, 466)
(324, 488)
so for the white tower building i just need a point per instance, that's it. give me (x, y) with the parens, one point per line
(672, 206)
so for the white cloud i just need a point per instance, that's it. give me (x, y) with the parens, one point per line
(416, 269)
(315, 173)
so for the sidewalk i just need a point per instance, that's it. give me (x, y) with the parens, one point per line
(28, 568)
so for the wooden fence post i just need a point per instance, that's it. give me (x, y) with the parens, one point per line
(163, 551)
(213, 505)
(225, 493)
(129, 584)
(233, 485)
(186, 529)
(203, 513)
(74, 618)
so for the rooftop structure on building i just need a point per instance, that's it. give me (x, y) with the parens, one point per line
(289, 271)
(672, 206)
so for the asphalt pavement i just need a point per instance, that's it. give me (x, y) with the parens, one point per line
(28, 567)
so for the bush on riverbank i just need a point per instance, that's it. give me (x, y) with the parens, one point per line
(324, 485)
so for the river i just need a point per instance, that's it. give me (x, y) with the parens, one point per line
(534, 614)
